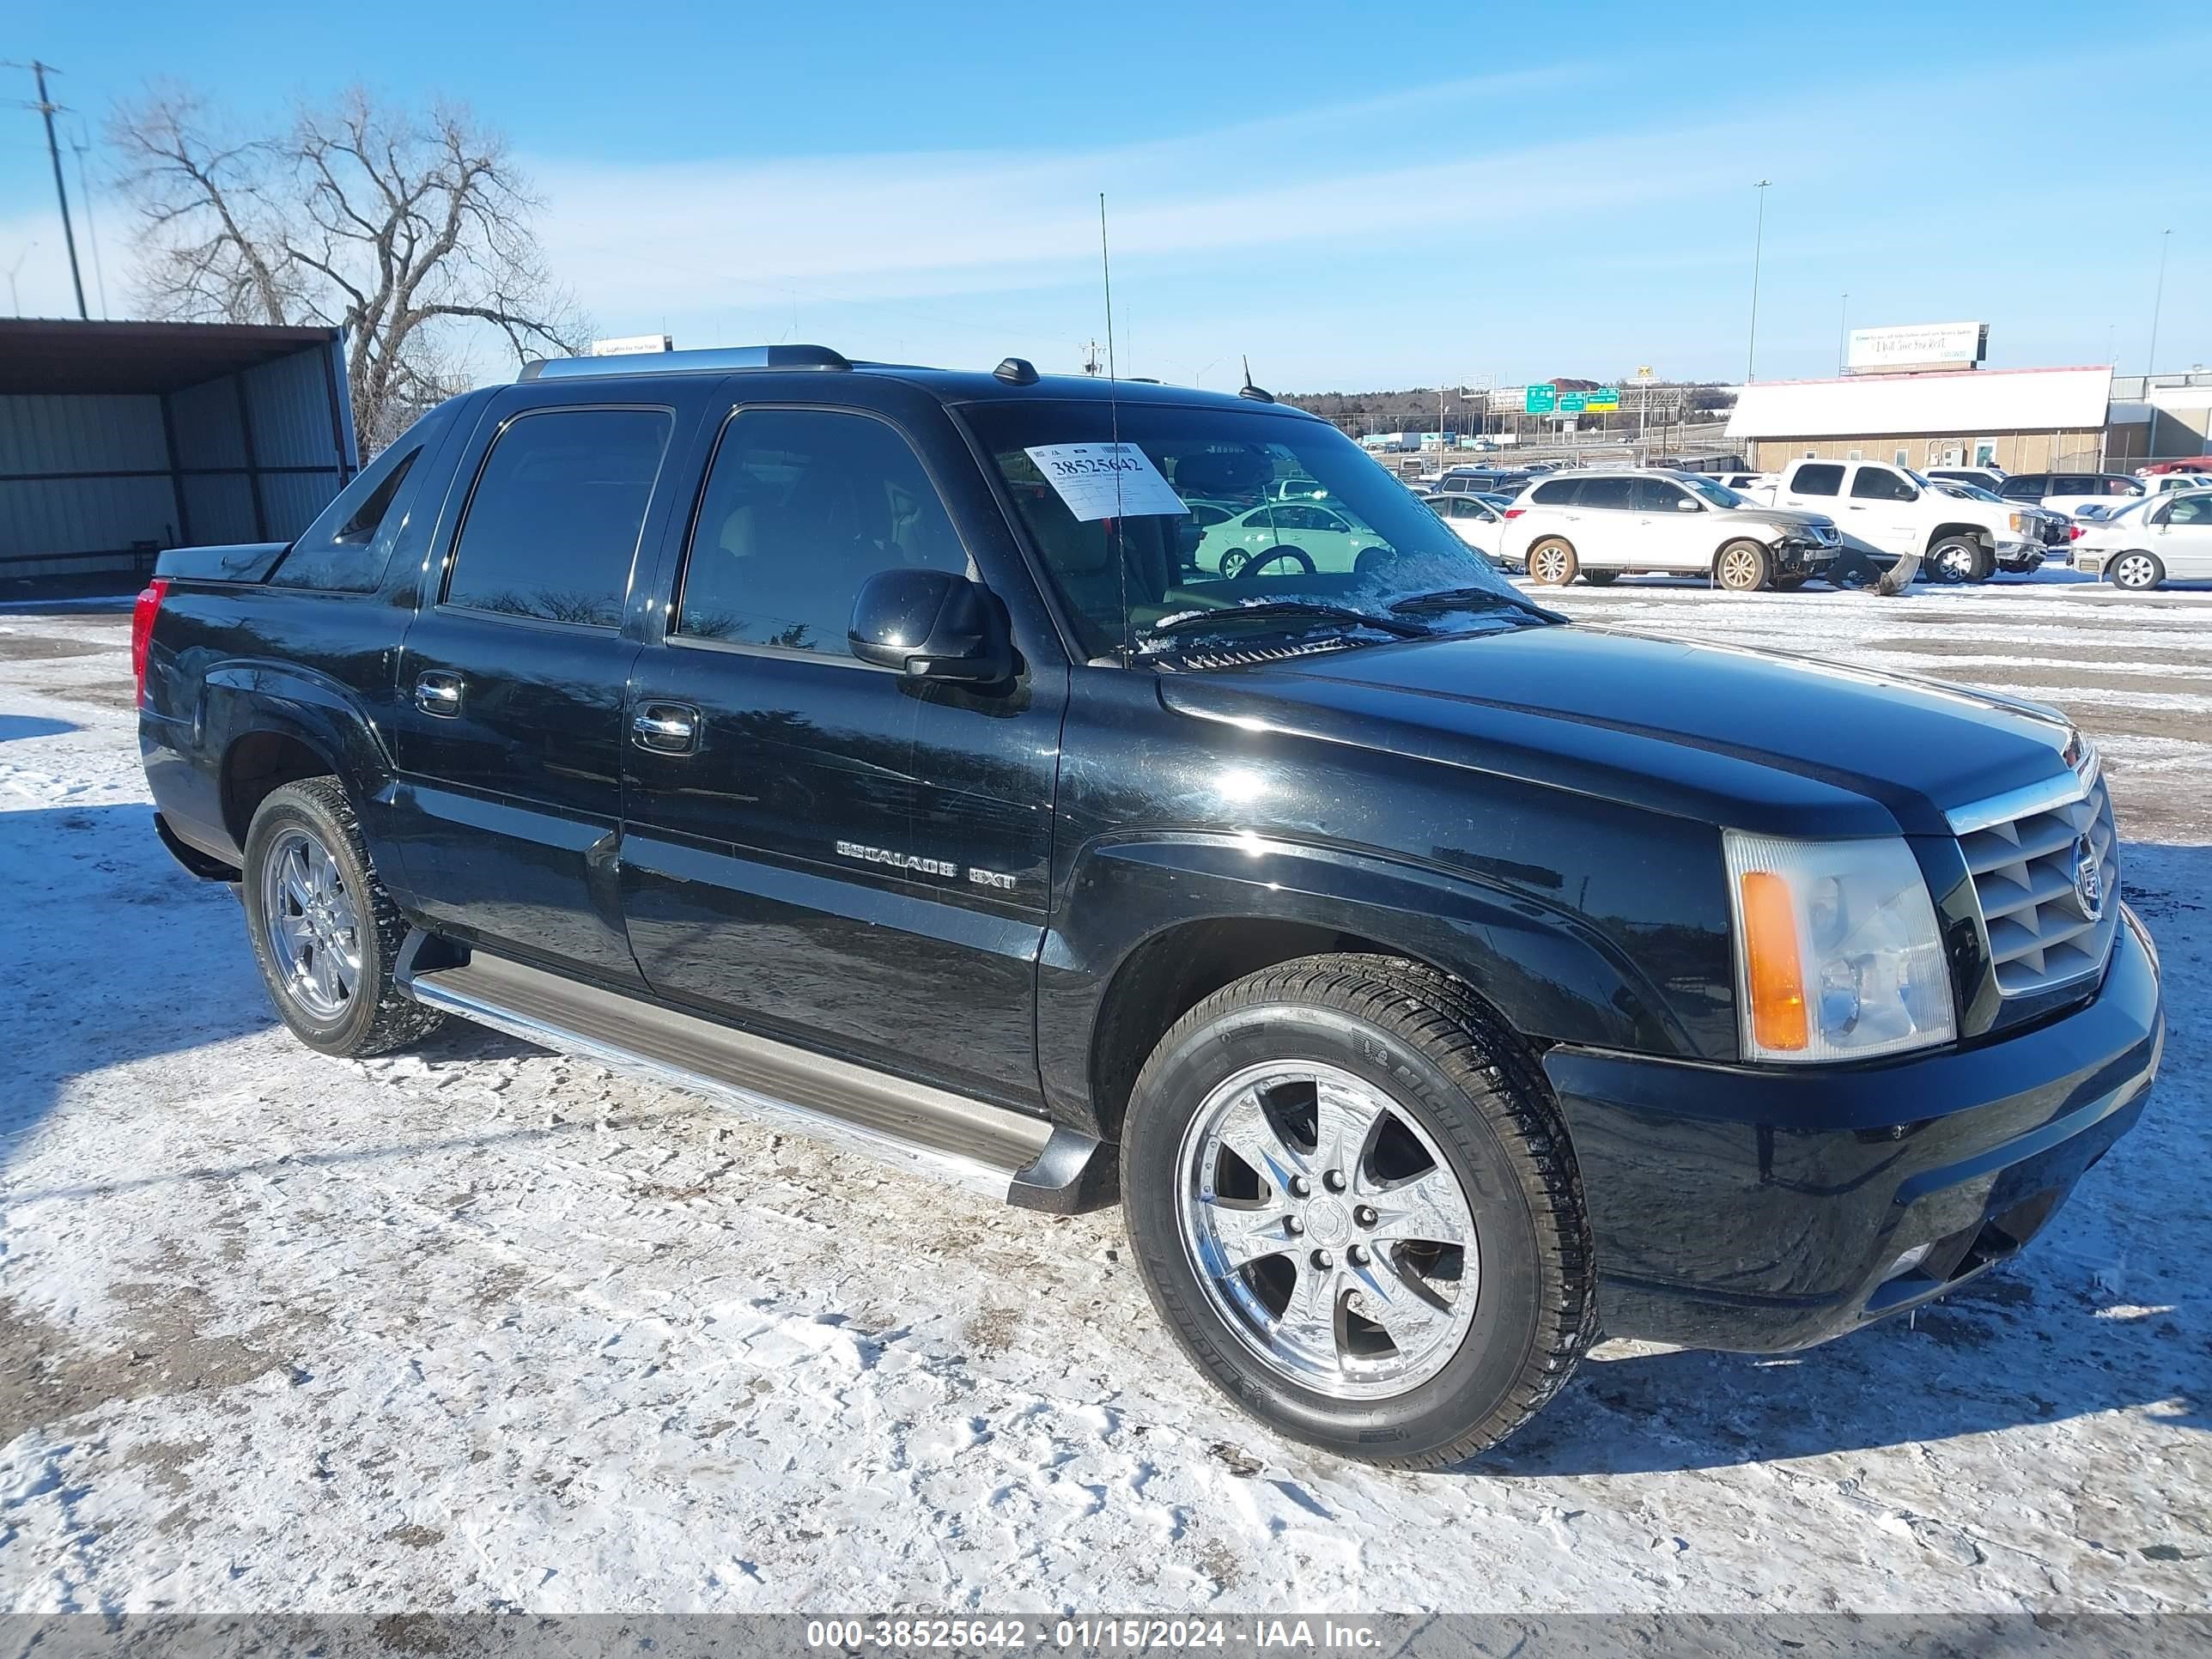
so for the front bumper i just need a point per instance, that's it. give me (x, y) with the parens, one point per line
(2020, 556)
(1795, 557)
(1758, 1211)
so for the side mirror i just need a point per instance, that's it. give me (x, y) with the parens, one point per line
(930, 624)
(1684, 504)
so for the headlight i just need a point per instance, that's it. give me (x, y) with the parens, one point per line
(2019, 523)
(1837, 952)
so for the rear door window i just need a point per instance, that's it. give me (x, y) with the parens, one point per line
(1821, 478)
(552, 525)
(1614, 494)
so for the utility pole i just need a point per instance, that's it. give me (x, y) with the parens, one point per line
(1842, 331)
(46, 106)
(1758, 242)
(2150, 363)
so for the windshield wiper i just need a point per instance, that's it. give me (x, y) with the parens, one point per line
(1270, 610)
(1472, 598)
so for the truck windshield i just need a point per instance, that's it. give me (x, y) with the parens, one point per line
(1220, 509)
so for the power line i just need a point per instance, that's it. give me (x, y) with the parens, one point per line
(91, 230)
(46, 107)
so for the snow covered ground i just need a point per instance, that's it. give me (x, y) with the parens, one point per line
(486, 1328)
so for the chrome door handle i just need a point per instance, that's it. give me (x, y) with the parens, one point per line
(666, 729)
(439, 695)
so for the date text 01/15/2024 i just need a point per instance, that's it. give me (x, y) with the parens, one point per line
(1093, 1635)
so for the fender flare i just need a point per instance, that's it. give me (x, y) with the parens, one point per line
(248, 698)
(1551, 976)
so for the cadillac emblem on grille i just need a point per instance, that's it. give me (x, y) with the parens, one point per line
(2088, 879)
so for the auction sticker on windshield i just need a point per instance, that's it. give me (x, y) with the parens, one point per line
(1106, 481)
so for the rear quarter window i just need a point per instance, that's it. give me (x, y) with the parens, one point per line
(349, 546)
(1559, 492)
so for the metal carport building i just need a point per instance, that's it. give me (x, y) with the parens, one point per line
(117, 440)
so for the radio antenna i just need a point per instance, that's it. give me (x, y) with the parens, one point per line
(1120, 548)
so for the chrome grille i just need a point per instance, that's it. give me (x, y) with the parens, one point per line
(2022, 851)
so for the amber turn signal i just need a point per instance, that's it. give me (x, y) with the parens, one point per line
(1772, 974)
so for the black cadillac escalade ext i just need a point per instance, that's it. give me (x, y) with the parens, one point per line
(1436, 983)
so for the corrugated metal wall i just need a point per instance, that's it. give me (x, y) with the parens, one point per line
(87, 484)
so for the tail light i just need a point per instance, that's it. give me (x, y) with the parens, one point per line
(141, 630)
(2074, 532)
(1515, 512)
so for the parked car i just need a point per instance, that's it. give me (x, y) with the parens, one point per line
(1434, 981)
(1481, 480)
(1901, 513)
(2069, 492)
(1475, 521)
(1602, 525)
(1307, 535)
(2162, 538)
(1985, 478)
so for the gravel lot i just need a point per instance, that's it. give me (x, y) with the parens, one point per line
(485, 1327)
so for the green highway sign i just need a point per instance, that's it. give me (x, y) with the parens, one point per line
(1573, 402)
(1540, 400)
(1604, 397)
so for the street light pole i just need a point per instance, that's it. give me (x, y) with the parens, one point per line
(1758, 242)
(1842, 330)
(2150, 363)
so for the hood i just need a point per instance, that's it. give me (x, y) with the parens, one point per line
(1756, 740)
(1789, 518)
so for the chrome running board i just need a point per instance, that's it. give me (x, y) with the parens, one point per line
(1000, 1153)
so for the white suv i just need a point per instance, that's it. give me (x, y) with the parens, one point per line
(1600, 525)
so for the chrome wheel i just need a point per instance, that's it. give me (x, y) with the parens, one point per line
(1740, 569)
(1954, 561)
(1552, 565)
(2135, 570)
(1327, 1230)
(314, 929)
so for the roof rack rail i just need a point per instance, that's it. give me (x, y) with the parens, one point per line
(715, 358)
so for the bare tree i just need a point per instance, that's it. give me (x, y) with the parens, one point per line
(411, 231)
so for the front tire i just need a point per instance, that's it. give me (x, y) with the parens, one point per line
(1961, 559)
(1353, 1202)
(1742, 566)
(325, 933)
(2138, 573)
(1553, 563)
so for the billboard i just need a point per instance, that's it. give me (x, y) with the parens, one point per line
(632, 345)
(1917, 345)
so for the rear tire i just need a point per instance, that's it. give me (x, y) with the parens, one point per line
(1552, 562)
(2136, 572)
(1742, 566)
(325, 933)
(1249, 1118)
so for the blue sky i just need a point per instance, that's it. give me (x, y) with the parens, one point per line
(1355, 196)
